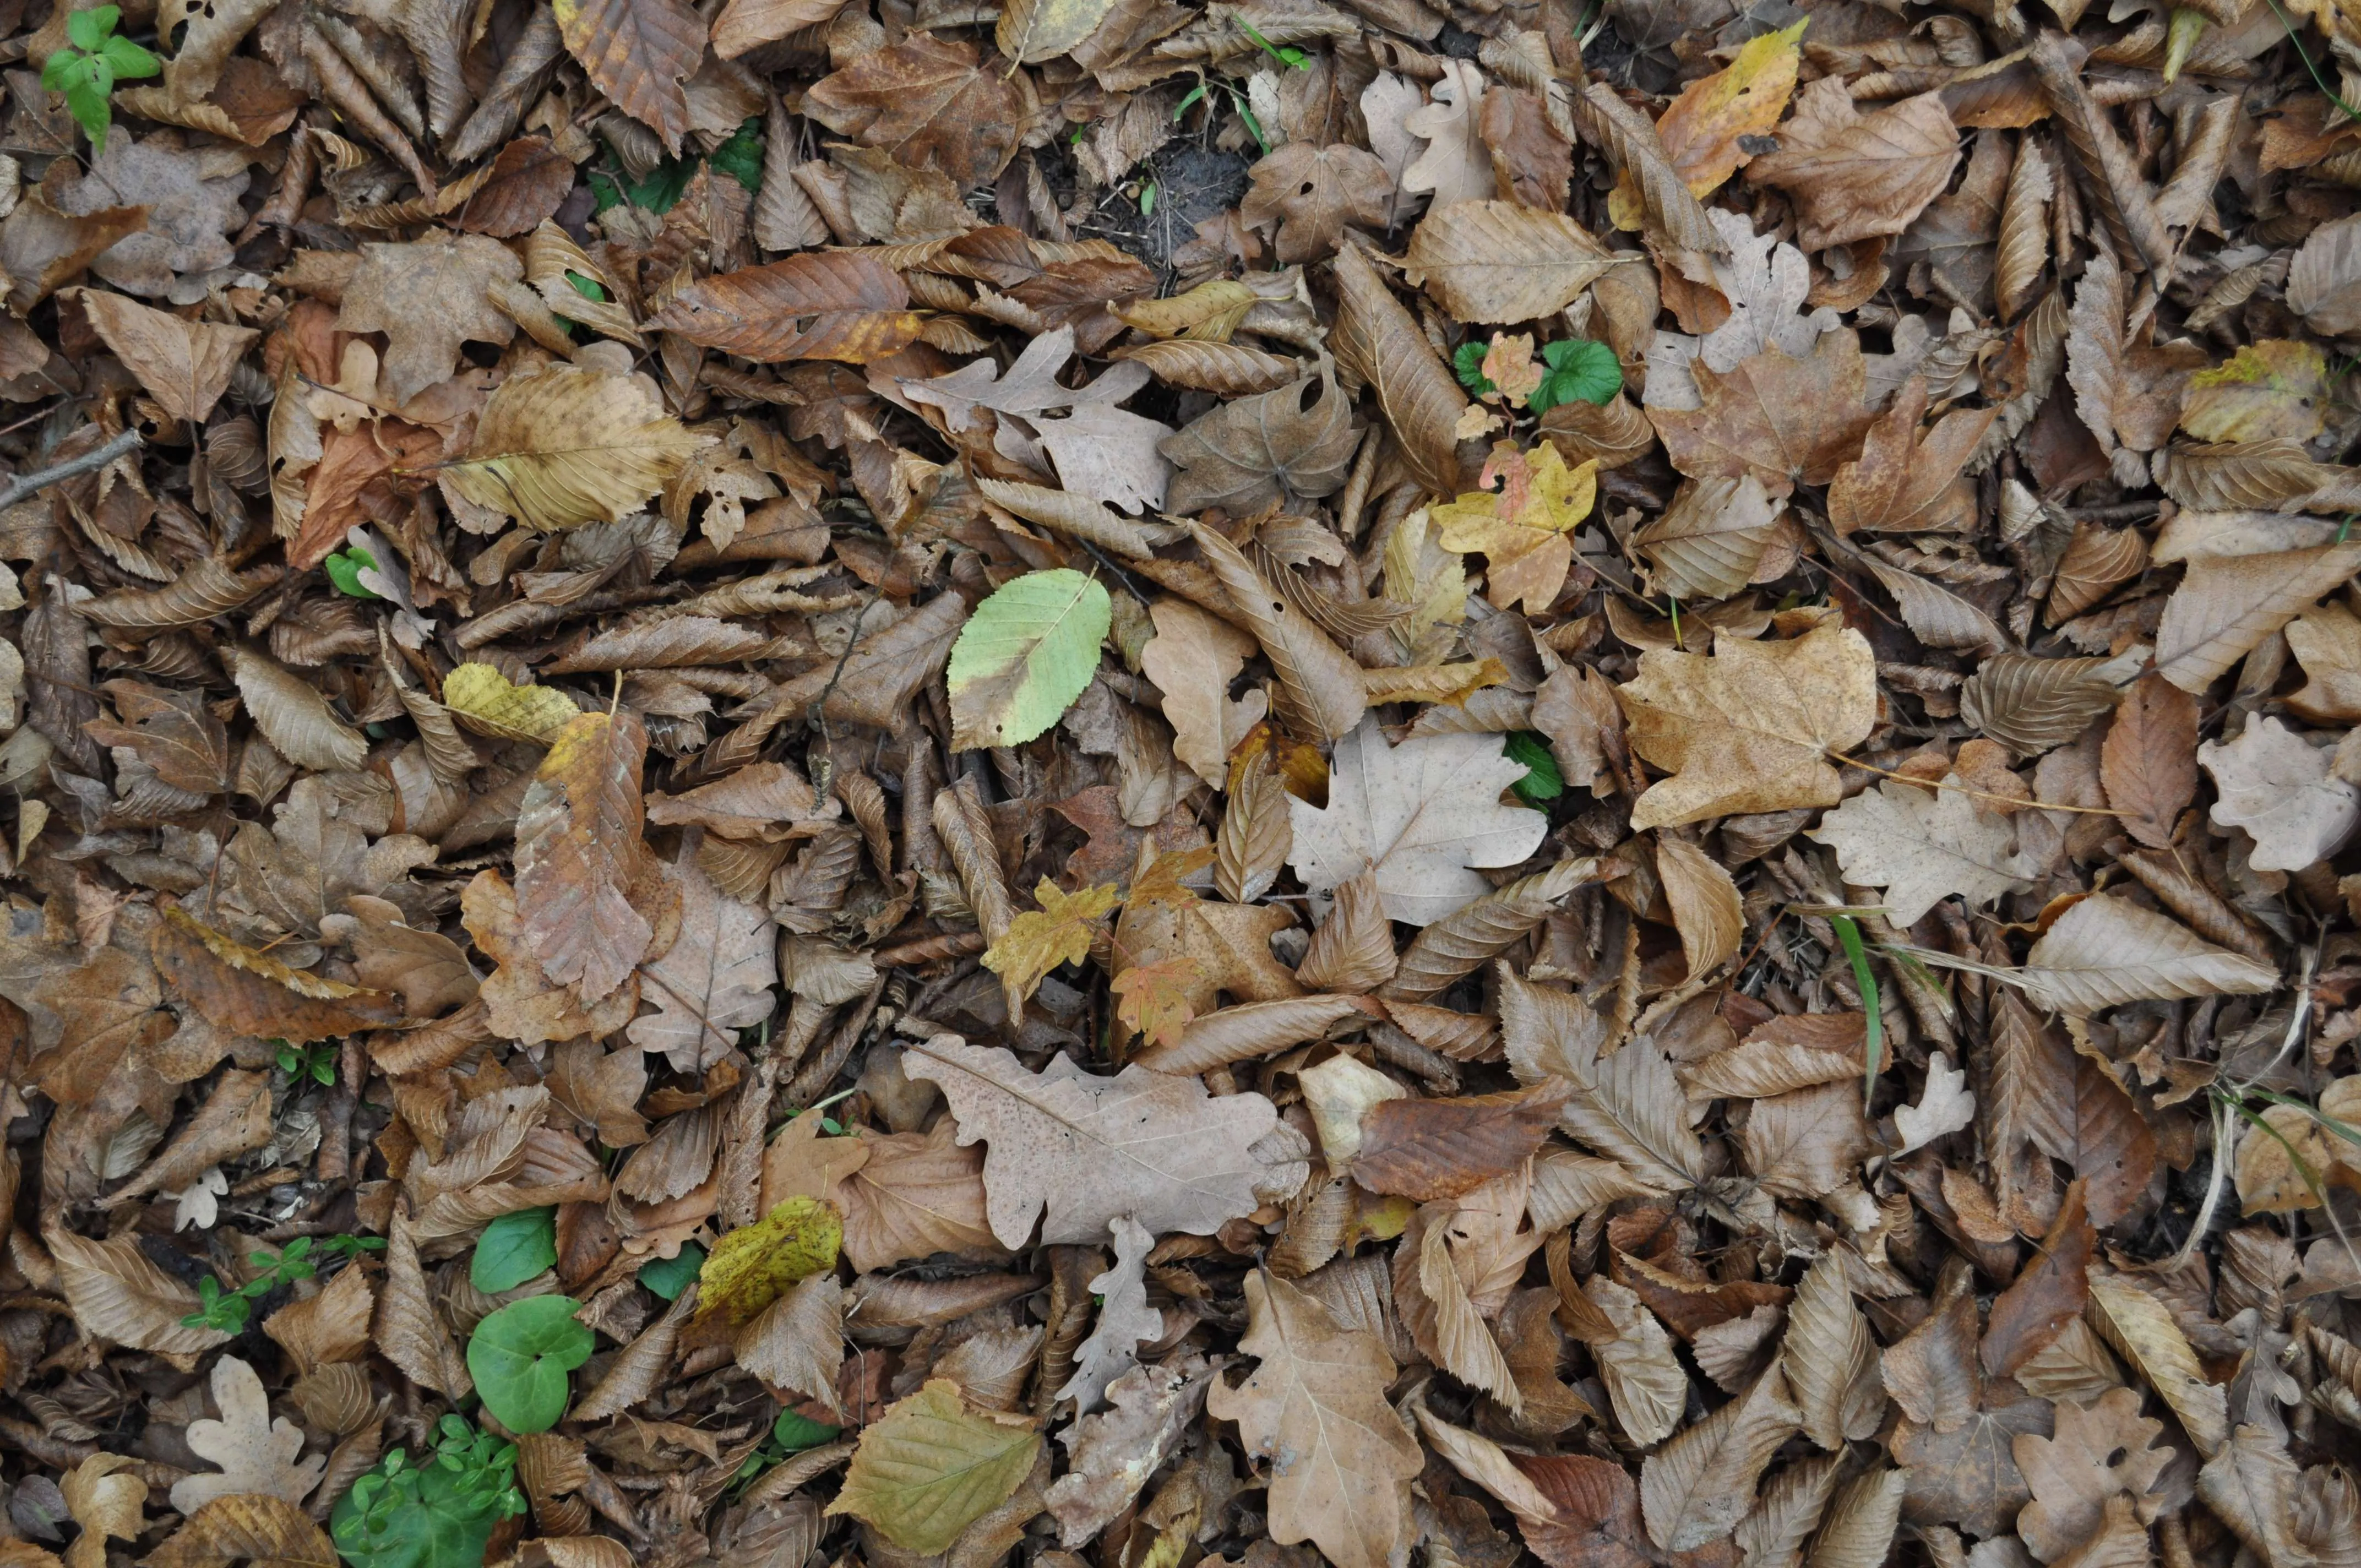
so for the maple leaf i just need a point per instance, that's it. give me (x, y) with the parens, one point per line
(428, 298)
(1524, 529)
(1156, 997)
(1039, 941)
(1787, 419)
(1750, 728)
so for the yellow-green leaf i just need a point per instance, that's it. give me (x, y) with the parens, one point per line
(753, 1265)
(932, 1466)
(1024, 656)
(483, 699)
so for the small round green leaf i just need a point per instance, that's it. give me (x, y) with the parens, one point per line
(519, 1357)
(794, 1431)
(668, 1277)
(1581, 371)
(512, 1249)
(1024, 656)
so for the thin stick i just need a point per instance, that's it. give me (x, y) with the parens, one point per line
(1978, 794)
(89, 462)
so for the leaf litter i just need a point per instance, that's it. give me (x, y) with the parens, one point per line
(801, 782)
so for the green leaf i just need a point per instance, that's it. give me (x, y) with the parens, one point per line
(130, 61)
(513, 1248)
(934, 1465)
(86, 100)
(797, 1433)
(88, 30)
(399, 1516)
(668, 1277)
(519, 1357)
(61, 68)
(1580, 370)
(740, 157)
(1024, 656)
(344, 569)
(1469, 363)
(1873, 1007)
(1542, 781)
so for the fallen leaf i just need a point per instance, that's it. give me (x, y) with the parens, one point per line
(1923, 846)
(579, 856)
(640, 54)
(256, 1455)
(2279, 786)
(1856, 176)
(566, 447)
(932, 1464)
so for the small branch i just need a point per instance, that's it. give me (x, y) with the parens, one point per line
(40, 479)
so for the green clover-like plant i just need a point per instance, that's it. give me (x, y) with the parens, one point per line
(512, 1249)
(92, 62)
(437, 1514)
(519, 1357)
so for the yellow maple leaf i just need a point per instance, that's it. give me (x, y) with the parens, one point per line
(1041, 939)
(1521, 530)
(1702, 129)
(1155, 997)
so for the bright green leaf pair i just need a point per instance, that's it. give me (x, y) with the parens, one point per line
(1024, 656)
(87, 71)
(1581, 371)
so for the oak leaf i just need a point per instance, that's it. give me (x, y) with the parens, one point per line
(2279, 786)
(257, 1455)
(185, 365)
(429, 297)
(1923, 847)
(1315, 1406)
(1088, 1150)
(1039, 941)
(106, 1503)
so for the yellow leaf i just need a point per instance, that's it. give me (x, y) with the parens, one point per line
(1522, 529)
(2276, 387)
(1156, 997)
(1041, 939)
(753, 1265)
(1700, 129)
(482, 698)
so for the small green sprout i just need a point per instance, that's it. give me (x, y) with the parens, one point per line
(92, 62)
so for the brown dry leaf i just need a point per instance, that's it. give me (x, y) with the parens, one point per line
(579, 858)
(1428, 1149)
(1320, 688)
(1645, 1384)
(714, 979)
(1315, 1406)
(845, 305)
(640, 53)
(1707, 909)
(2279, 786)
(933, 103)
(267, 1531)
(1830, 1359)
(1498, 261)
(1088, 1150)
(1924, 847)
(1193, 660)
(428, 298)
(1750, 728)
(2148, 760)
(1377, 341)
(1698, 1486)
(2141, 1329)
(1710, 541)
(527, 182)
(249, 992)
(1308, 193)
(2106, 951)
(329, 1327)
(1783, 418)
(185, 365)
(1856, 176)
(2098, 1451)
(1906, 482)
(565, 447)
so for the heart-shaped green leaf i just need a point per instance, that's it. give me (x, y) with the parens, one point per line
(519, 1357)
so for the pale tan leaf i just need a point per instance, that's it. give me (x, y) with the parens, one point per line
(266, 1531)
(1937, 616)
(2106, 951)
(410, 1327)
(185, 365)
(2227, 606)
(1696, 1487)
(1465, 940)
(715, 979)
(106, 1503)
(2097, 1452)
(565, 447)
(331, 1325)
(1830, 1359)
(1316, 1408)
(1805, 1143)
(2251, 1485)
(292, 715)
(257, 1455)
(1256, 836)
(1707, 909)
(1644, 1381)
(1856, 176)
(1922, 847)
(1496, 261)
(1320, 688)
(2141, 1329)
(1248, 1030)
(1376, 340)
(1861, 1522)
(1124, 1321)
(1192, 659)
(2275, 783)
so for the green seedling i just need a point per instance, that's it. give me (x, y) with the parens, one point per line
(438, 1514)
(90, 65)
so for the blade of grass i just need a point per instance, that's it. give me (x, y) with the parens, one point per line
(1857, 954)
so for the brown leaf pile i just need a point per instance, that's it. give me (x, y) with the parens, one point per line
(1692, 902)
